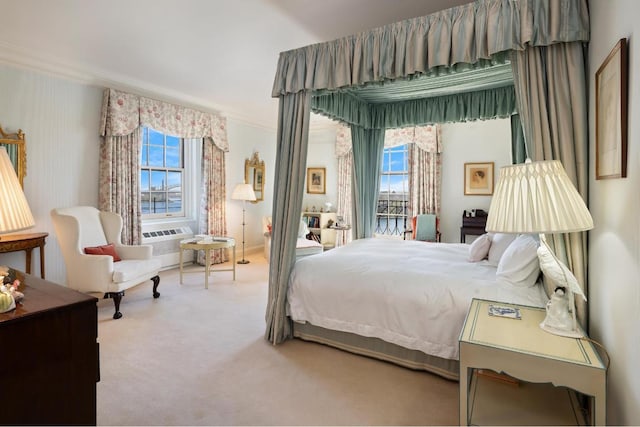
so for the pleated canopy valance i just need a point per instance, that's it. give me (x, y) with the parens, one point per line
(451, 38)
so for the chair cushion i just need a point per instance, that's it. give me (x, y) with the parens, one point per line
(130, 269)
(109, 249)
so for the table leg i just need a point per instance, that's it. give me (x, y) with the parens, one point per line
(234, 262)
(42, 260)
(464, 395)
(181, 250)
(28, 261)
(206, 268)
(600, 416)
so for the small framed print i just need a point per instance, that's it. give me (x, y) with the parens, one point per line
(316, 180)
(478, 179)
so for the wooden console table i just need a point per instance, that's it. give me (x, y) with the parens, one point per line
(25, 242)
(50, 362)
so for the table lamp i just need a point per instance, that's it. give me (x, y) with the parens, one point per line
(15, 214)
(539, 197)
(243, 192)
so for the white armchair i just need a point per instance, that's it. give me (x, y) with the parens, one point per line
(85, 226)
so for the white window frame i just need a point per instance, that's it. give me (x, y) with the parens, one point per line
(190, 184)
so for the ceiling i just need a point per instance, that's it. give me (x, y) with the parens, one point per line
(211, 54)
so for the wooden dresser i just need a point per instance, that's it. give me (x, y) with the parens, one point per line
(50, 357)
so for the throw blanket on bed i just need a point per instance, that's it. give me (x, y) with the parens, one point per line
(410, 293)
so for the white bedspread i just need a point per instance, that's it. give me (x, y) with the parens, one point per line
(413, 294)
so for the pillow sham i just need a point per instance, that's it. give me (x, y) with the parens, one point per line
(519, 264)
(109, 249)
(499, 243)
(479, 248)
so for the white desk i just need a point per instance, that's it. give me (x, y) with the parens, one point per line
(207, 246)
(521, 349)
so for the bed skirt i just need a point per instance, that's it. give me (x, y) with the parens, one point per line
(378, 349)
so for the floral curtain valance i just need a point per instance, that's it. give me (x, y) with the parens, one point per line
(123, 113)
(428, 138)
(463, 34)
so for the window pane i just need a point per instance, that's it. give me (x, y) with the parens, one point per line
(156, 138)
(173, 157)
(158, 202)
(158, 180)
(156, 156)
(174, 182)
(173, 141)
(146, 208)
(144, 180)
(175, 201)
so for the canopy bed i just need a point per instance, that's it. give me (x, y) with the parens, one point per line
(486, 59)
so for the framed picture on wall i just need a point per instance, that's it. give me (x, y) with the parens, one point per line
(611, 114)
(478, 179)
(316, 180)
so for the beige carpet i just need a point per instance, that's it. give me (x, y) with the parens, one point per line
(198, 357)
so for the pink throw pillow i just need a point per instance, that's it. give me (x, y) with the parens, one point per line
(109, 249)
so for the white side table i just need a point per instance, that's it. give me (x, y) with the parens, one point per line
(207, 246)
(521, 349)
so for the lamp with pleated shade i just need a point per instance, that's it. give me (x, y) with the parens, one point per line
(539, 197)
(15, 214)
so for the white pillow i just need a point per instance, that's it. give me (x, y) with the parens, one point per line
(499, 243)
(479, 248)
(519, 264)
(303, 230)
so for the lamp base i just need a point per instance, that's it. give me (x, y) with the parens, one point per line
(571, 333)
(243, 261)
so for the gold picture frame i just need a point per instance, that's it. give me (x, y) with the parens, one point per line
(316, 180)
(15, 144)
(478, 179)
(611, 114)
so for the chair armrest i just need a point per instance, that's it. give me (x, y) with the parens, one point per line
(135, 251)
(90, 273)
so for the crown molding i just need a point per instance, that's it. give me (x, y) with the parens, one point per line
(84, 74)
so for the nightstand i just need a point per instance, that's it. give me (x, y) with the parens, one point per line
(522, 350)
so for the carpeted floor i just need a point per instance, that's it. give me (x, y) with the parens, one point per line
(198, 357)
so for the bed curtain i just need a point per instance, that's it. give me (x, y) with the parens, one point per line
(444, 42)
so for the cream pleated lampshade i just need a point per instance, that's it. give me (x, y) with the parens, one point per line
(537, 197)
(15, 214)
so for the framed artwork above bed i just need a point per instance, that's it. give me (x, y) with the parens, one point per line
(478, 179)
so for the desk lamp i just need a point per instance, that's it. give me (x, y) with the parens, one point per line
(243, 192)
(539, 197)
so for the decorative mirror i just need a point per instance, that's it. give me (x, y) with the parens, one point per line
(254, 175)
(15, 145)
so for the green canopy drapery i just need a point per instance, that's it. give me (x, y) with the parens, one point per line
(476, 35)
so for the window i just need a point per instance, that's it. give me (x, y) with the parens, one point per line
(161, 175)
(394, 191)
